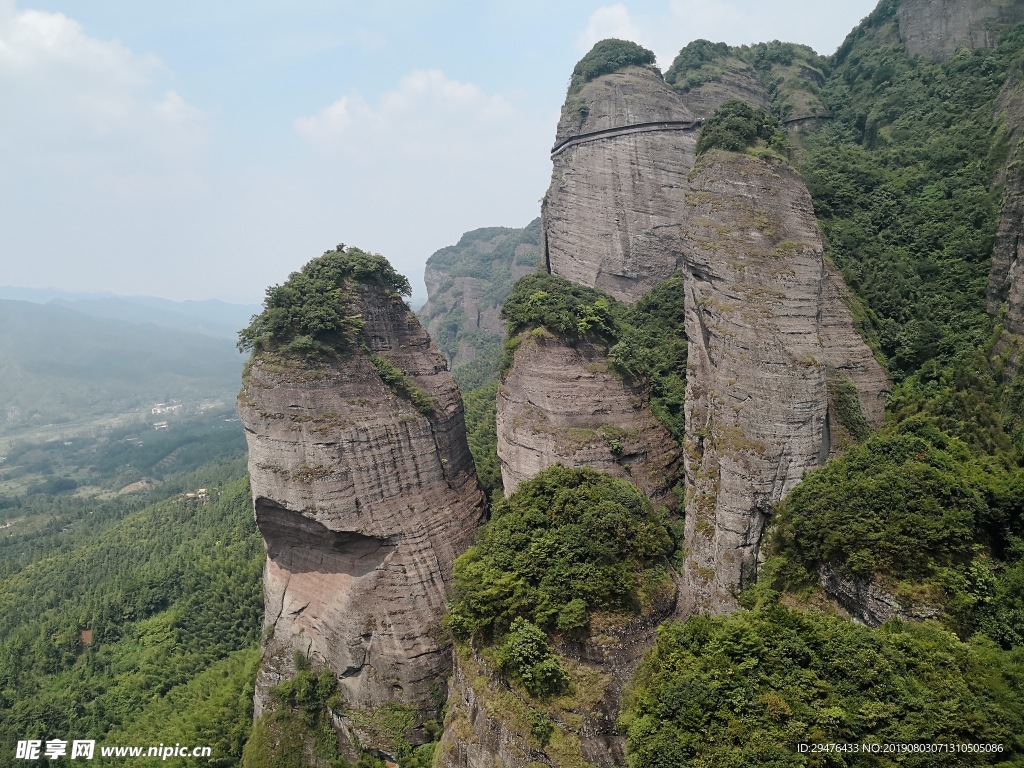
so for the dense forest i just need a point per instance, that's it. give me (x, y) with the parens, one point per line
(130, 609)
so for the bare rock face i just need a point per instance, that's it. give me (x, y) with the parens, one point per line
(737, 81)
(768, 322)
(765, 329)
(560, 403)
(1006, 282)
(363, 503)
(612, 213)
(467, 284)
(868, 602)
(844, 352)
(936, 28)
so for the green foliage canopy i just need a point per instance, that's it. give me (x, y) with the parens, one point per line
(608, 56)
(916, 507)
(312, 309)
(902, 184)
(567, 542)
(526, 655)
(563, 307)
(736, 126)
(696, 56)
(746, 689)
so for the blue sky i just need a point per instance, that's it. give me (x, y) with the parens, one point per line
(205, 150)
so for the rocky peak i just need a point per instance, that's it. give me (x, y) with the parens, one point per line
(770, 333)
(768, 330)
(561, 404)
(364, 492)
(618, 99)
(610, 217)
(467, 283)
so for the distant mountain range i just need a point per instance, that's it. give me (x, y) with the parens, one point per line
(62, 365)
(210, 317)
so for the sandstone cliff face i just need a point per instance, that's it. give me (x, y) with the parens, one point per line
(561, 404)
(363, 503)
(767, 321)
(467, 284)
(765, 329)
(1006, 283)
(736, 83)
(936, 28)
(612, 213)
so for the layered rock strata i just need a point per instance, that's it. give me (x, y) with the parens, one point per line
(1006, 282)
(560, 404)
(868, 602)
(611, 215)
(765, 330)
(363, 502)
(736, 81)
(768, 322)
(936, 28)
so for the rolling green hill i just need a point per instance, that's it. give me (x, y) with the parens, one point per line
(58, 366)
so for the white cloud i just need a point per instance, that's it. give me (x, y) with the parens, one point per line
(67, 93)
(426, 112)
(100, 157)
(409, 171)
(608, 21)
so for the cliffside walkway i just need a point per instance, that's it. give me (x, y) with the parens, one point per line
(607, 133)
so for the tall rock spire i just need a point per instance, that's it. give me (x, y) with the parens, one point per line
(770, 334)
(364, 491)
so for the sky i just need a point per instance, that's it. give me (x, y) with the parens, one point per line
(197, 150)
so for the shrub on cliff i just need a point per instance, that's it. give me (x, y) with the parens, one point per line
(564, 308)
(568, 542)
(913, 504)
(646, 342)
(736, 126)
(526, 655)
(312, 309)
(608, 56)
(696, 63)
(747, 689)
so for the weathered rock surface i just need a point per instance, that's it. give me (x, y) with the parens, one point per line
(767, 320)
(489, 722)
(737, 80)
(710, 74)
(844, 351)
(1006, 282)
(868, 602)
(363, 503)
(936, 28)
(764, 328)
(560, 403)
(612, 213)
(467, 284)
